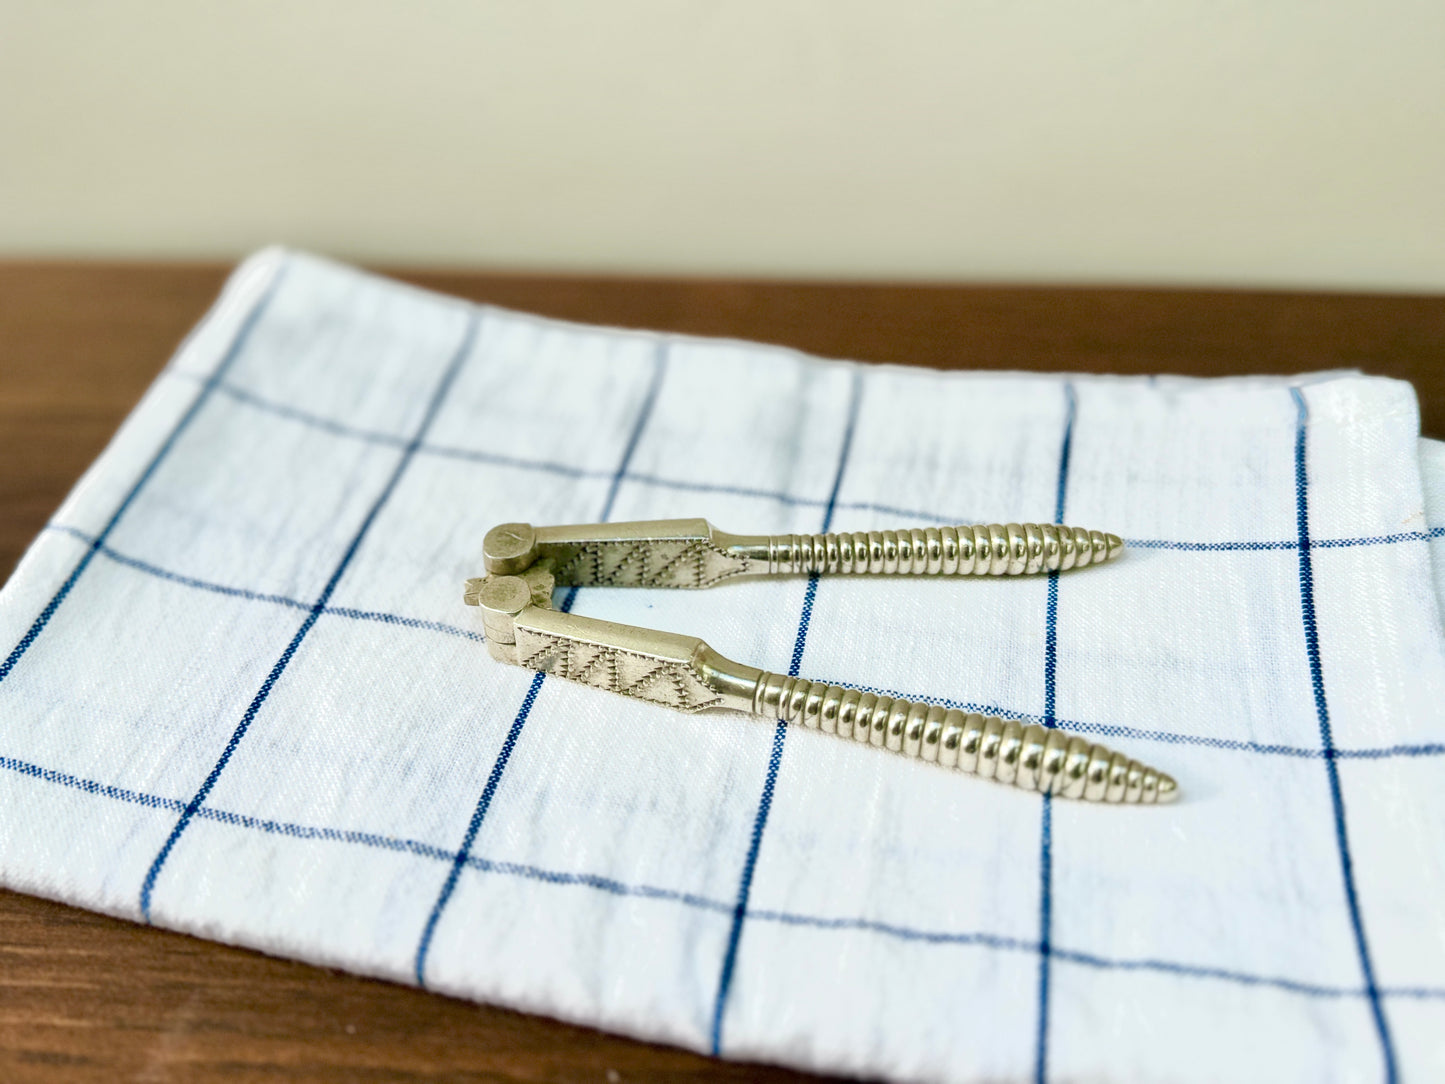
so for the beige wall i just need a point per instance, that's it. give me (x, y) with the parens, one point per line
(1297, 142)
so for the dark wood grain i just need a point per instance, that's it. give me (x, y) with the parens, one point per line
(85, 997)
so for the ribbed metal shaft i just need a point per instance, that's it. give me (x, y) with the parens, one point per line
(1031, 757)
(994, 549)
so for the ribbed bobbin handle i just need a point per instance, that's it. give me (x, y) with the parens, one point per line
(1031, 757)
(995, 549)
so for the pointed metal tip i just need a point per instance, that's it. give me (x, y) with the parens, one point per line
(1116, 546)
(1168, 789)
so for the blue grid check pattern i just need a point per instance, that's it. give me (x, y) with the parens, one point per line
(573, 799)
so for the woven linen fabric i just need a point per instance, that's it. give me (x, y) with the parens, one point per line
(1432, 476)
(241, 697)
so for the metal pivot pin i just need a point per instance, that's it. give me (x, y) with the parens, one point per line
(524, 563)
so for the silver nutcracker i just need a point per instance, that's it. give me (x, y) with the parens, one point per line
(525, 563)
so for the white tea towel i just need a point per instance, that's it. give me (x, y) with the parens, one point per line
(241, 697)
(1432, 476)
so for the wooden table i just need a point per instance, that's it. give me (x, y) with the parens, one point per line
(84, 997)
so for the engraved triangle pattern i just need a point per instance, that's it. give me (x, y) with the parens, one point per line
(669, 683)
(650, 563)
